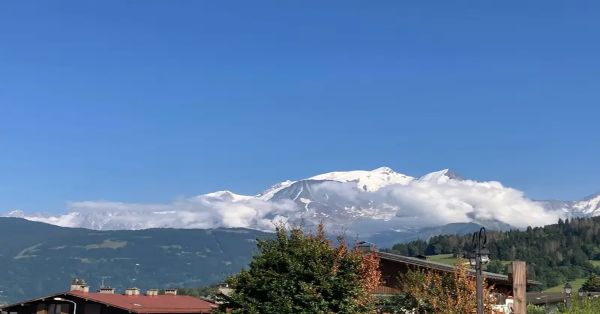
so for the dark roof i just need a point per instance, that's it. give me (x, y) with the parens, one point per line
(139, 303)
(414, 261)
(545, 297)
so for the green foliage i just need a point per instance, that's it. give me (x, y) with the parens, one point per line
(555, 253)
(582, 306)
(399, 304)
(496, 266)
(207, 292)
(534, 309)
(592, 284)
(299, 273)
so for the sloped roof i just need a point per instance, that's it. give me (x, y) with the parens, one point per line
(138, 303)
(149, 304)
(419, 262)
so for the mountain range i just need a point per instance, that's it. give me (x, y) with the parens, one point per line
(375, 205)
(37, 259)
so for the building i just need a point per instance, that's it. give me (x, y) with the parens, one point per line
(80, 301)
(393, 265)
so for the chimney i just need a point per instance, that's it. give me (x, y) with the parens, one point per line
(170, 291)
(107, 290)
(152, 292)
(132, 291)
(79, 285)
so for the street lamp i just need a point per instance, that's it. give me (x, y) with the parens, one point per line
(567, 290)
(65, 300)
(479, 256)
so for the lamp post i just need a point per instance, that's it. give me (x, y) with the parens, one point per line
(65, 300)
(479, 256)
(567, 290)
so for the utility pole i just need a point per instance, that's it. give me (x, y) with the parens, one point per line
(518, 272)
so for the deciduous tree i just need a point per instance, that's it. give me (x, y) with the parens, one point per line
(299, 272)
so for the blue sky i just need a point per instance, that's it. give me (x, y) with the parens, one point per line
(147, 101)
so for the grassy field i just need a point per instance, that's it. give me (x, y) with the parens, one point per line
(576, 284)
(595, 263)
(443, 258)
(450, 260)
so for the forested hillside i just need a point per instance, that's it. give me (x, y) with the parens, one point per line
(37, 259)
(555, 253)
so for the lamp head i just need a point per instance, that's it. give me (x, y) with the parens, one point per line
(473, 258)
(568, 288)
(485, 256)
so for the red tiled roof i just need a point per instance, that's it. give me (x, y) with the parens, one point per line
(148, 304)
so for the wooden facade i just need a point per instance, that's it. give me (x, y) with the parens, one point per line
(392, 266)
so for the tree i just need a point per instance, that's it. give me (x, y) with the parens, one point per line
(592, 284)
(299, 272)
(399, 304)
(453, 293)
(496, 266)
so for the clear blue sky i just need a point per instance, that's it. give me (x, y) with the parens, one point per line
(146, 101)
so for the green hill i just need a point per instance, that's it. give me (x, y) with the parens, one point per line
(38, 258)
(555, 253)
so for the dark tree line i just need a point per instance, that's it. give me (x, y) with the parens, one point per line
(555, 253)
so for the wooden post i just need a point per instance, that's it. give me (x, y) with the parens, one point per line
(519, 281)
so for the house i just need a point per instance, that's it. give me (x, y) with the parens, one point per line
(393, 265)
(80, 301)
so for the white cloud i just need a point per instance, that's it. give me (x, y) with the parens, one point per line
(418, 203)
(195, 212)
(437, 202)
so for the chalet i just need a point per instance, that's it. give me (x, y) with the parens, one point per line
(80, 301)
(393, 265)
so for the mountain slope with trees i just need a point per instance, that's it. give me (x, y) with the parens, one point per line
(37, 259)
(555, 253)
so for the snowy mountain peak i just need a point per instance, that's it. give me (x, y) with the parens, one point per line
(592, 197)
(367, 180)
(589, 206)
(385, 170)
(226, 196)
(268, 193)
(441, 176)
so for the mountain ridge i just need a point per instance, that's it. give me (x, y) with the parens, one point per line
(365, 202)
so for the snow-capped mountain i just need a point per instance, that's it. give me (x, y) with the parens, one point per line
(589, 206)
(366, 180)
(377, 203)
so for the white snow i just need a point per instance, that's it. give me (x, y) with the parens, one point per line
(227, 196)
(436, 176)
(588, 206)
(268, 194)
(367, 180)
